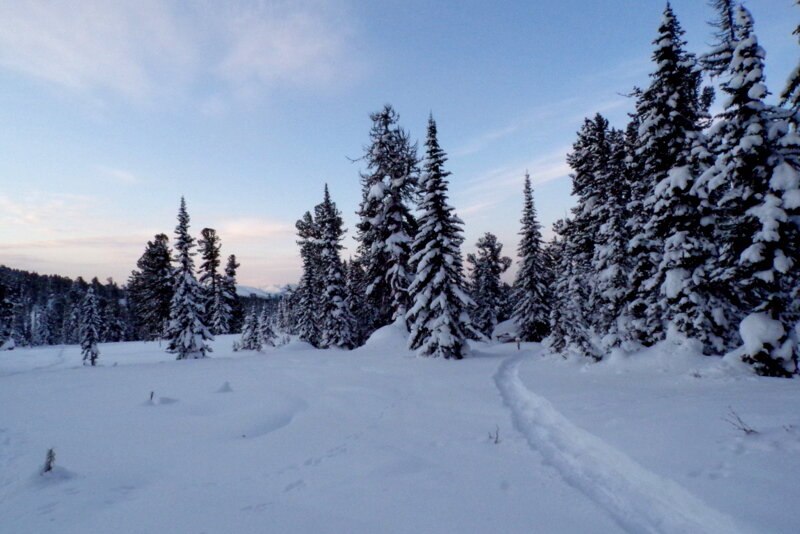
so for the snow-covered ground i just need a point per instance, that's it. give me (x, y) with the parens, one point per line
(299, 440)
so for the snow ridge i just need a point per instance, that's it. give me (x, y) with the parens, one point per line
(639, 500)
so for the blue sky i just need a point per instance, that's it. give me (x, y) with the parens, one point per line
(111, 110)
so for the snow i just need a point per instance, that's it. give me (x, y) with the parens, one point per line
(758, 330)
(301, 440)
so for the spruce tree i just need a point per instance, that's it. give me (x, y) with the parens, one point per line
(90, 325)
(486, 288)
(210, 278)
(266, 333)
(187, 333)
(669, 112)
(309, 290)
(338, 326)
(717, 61)
(150, 288)
(609, 258)
(590, 161)
(532, 293)
(386, 227)
(251, 333)
(754, 184)
(6, 319)
(680, 220)
(791, 93)
(228, 317)
(438, 315)
(356, 299)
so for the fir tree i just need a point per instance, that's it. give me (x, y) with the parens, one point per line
(251, 333)
(531, 289)
(590, 161)
(438, 316)
(754, 184)
(726, 34)
(679, 219)
(338, 326)
(486, 288)
(228, 317)
(669, 112)
(386, 226)
(187, 333)
(90, 325)
(609, 259)
(309, 290)
(356, 299)
(151, 288)
(6, 319)
(211, 279)
(266, 333)
(791, 93)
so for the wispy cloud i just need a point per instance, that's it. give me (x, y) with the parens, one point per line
(44, 212)
(145, 49)
(117, 175)
(248, 229)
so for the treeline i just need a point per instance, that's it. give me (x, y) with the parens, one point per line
(51, 310)
(45, 309)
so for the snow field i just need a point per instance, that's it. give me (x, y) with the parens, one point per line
(376, 440)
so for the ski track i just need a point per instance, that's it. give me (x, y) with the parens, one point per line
(639, 500)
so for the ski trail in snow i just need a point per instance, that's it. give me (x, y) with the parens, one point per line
(639, 500)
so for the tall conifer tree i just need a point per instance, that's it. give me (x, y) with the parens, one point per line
(338, 326)
(532, 294)
(486, 287)
(90, 328)
(438, 315)
(386, 227)
(187, 333)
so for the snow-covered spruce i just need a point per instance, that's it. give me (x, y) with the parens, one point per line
(532, 294)
(755, 184)
(210, 277)
(6, 319)
(681, 221)
(386, 227)
(228, 318)
(90, 325)
(438, 317)
(485, 286)
(309, 290)
(338, 327)
(717, 61)
(791, 93)
(187, 334)
(266, 333)
(151, 287)
(251, 333)
(668, 113)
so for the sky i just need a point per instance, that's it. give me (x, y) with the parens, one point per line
(111, 110)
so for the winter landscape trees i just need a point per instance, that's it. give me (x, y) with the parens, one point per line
(684, 227)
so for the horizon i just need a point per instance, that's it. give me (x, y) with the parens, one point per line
(114, 110)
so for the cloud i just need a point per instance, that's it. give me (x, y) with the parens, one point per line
(146, 49)
(249, 229)
(117, 175)
(44, 212)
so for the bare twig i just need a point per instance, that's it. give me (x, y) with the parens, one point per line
(734, 419)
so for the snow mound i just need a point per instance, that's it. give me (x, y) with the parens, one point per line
(225, 388)
(505, 331)
(388, 338)
(759, 329)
